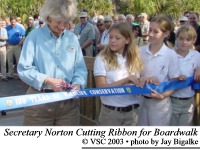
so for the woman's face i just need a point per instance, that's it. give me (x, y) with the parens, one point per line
(57, 26)
(136, 32)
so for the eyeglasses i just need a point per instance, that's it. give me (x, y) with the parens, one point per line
(100, 25)
(82, 17)
(136, 30)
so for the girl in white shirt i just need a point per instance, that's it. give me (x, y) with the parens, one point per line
(183, 99)
(160, 63)
(119, 64)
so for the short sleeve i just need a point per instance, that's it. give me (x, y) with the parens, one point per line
(99, 66)
(197, 58)
(91, 33)
(174, 70)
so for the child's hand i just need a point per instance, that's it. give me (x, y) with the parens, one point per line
(133, 79)
(156, 95)
(152, 80)
(142, 82)
(197, 75)
(182, 77)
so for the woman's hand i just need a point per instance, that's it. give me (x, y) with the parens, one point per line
(75, 87)
(55, 83)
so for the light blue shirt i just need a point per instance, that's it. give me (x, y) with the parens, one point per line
(105, 37)
(45, 55)
(3, 34)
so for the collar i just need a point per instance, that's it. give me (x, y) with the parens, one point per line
(30, 28)
(50, 33)
(106, 31)
(14, 26)
(120, 56)
(83, 25)
(160, 52)
(188, 56)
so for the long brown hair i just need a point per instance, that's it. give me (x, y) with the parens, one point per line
(165, 25)
(131, 51)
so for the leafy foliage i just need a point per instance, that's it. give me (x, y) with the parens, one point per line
(21, 8)
(174, 8)
(98, 6)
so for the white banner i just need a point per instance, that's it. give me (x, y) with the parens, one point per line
(96, 137)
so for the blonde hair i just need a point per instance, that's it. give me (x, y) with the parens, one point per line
(187, 29)
(59, 9)
(134, 63)
(190, 31)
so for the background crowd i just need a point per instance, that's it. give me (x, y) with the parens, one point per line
(93, 34)
(92, 31)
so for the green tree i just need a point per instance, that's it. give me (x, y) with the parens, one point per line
(99, 6)
(173, 8)
(21, 8)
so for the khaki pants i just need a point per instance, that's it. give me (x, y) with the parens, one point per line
(13, 51)
(61, 113)
(155, 112)
(3, 61)
(110, 117)
(89, 51)
(182, 112)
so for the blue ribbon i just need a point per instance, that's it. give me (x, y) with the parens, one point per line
(196, 86)
(14, 102)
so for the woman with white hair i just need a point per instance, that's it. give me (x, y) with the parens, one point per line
(121, 18)
(130, 19)
(52, 61)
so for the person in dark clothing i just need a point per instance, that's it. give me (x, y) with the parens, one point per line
(30, 25)
(193, 20)
(172, 38)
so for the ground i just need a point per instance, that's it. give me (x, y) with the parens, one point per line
(12, 88)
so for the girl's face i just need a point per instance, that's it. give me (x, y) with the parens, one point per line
(184, 42)
(156, 35)
(117, 42)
